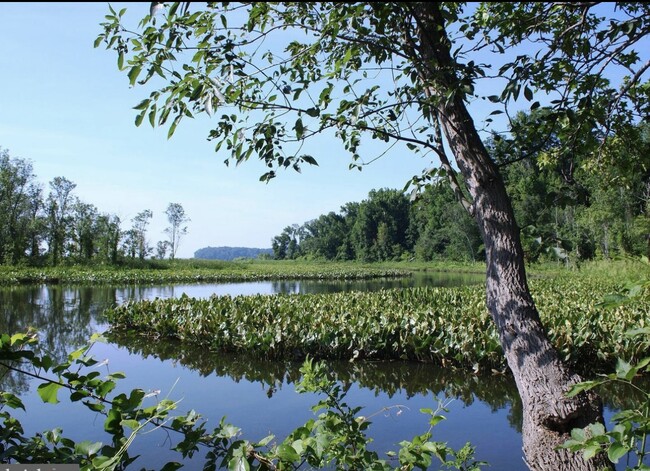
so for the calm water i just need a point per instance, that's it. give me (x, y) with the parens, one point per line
(257, 396)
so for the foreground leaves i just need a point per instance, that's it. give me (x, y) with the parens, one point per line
(335, 439)
(631, 426)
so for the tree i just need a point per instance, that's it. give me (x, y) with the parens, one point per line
(59, 216)
(280, 245)
(108, 238)
(287, 244)
(140, 223)
(161, 249)
(324, 236)
(175, 231)
(407, 72)
(442, 229)
(84, 225)
(381, 226)
(20, 200)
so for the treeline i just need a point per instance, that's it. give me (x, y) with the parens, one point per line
(386, 226)
(58, 228)
(567, 210)
(231, 253)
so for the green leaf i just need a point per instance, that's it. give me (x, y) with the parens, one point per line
(624, 370)
(87, 448)
(48, 392)
(143, 105)
(309, 159)
(44, 362)
(436, 419)
(238, 463)
(596, 430)
(171, 466)
(132, 424)
(139, 118)
(11, 400)
(583, 386)
(77, 353)
(229, 431)
(172, 127)
(287, 453)
(578, 434)
(591, 451)
(299, 128)
(528, 94)
(616, 452)
(152, 117)
(266, 440)
(133, 74)
(112, 422)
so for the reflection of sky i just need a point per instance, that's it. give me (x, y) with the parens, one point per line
(292, 286)
(247, 403)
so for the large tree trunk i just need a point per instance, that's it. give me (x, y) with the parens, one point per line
(542, 378)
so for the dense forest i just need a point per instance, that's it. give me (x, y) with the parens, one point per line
(566, 211)
(566, 207)
(58, 228)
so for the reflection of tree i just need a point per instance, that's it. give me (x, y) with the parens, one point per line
(64, 316)
(498, 391)
(373, 284)
(282, 286)
(13, 382)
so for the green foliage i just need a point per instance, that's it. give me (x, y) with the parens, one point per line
(387, 226)
(198, 271)
(335, 438)
(21, 223)
(329, 78)
(631, 426)
(447, 326)
(176, 230)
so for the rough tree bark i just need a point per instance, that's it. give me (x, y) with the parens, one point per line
(542, 378)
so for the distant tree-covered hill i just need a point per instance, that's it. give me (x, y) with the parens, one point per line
(230, 253)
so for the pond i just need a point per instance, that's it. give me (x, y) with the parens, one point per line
(259, 397)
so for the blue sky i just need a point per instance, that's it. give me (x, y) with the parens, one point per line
(65, 106)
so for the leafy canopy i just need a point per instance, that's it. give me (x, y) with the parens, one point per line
(271, 75)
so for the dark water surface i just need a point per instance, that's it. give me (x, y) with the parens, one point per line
(258, 396)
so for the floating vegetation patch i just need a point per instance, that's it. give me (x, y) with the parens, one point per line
(226, 272)
(449, 326)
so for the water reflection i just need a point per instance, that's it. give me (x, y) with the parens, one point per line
(66, 316)
(390, 378)
(248, 388)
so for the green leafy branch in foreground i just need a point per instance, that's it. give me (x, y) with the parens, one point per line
(631, 426)
(335, 438)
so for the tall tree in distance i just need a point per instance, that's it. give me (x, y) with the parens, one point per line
(60, 202)
(140, 223)
(407, 72)
(20, 198)
(176, 229)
